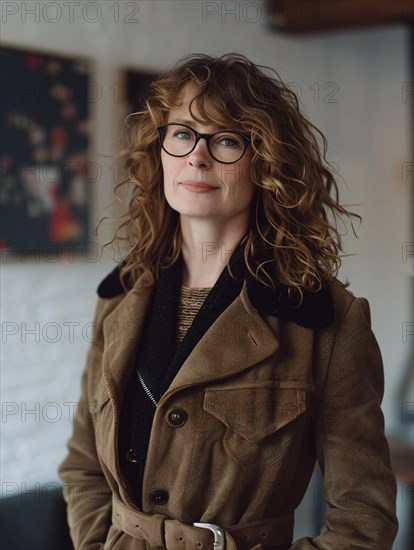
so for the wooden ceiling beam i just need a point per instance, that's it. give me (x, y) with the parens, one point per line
(308, 16)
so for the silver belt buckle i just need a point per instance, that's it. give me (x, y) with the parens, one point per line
(219, 540)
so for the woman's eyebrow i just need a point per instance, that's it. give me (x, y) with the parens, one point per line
(193, 123)
(185, 121)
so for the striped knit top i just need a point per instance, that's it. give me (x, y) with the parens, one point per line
(191, 299)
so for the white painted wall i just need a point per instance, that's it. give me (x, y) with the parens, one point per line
(367, 127)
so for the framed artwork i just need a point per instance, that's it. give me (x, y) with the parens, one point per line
(132, 86)
(136, 85)
(45, 173)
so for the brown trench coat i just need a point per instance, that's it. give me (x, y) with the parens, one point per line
(264, 398)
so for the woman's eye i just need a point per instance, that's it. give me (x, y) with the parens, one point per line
(229, 142)
(181, 134)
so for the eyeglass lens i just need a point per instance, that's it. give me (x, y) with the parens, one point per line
(224, 146)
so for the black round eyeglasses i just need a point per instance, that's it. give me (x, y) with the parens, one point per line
(225, 146)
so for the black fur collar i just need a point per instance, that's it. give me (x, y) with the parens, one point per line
(316, 310)
(111, 286)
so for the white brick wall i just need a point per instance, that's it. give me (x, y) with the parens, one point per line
(42, 360)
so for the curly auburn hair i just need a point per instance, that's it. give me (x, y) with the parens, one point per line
(296, 190)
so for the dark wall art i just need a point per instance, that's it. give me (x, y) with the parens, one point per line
(46, 175)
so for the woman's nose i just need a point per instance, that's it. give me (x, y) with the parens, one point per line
(200, 156)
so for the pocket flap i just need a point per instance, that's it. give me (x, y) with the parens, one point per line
(256, 411)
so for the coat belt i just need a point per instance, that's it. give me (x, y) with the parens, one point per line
(161, 532)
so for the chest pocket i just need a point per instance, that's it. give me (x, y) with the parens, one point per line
(259, 419)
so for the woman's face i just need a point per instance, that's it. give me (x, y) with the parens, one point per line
(230, 188)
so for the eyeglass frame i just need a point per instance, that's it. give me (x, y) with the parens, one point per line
(207, 137)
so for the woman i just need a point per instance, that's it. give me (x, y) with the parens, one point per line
(227, 357)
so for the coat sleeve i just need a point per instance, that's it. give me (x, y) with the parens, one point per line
(85, 490)
(351, 447)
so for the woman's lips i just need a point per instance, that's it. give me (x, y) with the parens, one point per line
(197, 187)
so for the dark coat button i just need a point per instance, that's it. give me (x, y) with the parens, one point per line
(159, 496)
(176, 417)
(131, 456)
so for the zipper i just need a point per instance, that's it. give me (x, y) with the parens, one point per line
(147, 390)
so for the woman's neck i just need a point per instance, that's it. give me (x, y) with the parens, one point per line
(205, 256)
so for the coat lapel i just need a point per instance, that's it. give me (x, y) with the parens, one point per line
(237, 340)
(220, 297)
(122, 332)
